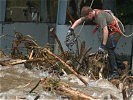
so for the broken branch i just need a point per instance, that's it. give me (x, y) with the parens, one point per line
(70, 68)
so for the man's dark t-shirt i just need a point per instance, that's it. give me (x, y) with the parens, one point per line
(103, 19)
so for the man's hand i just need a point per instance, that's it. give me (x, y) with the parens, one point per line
(70, 32)
(101, 49)
(69, 36)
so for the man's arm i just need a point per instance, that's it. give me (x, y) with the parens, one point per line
(102, 48)
(105, 35)
(77, 22)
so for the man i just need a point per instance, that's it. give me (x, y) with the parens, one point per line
(110, 29)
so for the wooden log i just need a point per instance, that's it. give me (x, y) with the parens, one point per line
(31, 54)
(35, 86)
(63, 88)
(82, 48)
(4, 64)
(70, 68)
(25, 61)
(76, 93)
(18, 62)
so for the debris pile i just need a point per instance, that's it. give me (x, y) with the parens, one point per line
(65, 70)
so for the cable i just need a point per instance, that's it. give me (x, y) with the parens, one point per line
(124, 30)
(91, 3)
(81, 27)
(117, 20)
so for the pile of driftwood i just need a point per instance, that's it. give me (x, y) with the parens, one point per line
(93, 65)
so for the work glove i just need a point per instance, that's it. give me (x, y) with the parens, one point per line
(69, 37)
(70, 32)
(101, 49)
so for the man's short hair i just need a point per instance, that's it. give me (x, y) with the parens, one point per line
(85, 11)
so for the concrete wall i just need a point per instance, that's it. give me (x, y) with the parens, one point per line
(92, 40)
(38, 31)
(0, 34)
(41, 34)
(2, 10)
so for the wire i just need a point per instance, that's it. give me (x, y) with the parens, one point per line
(81, 27)
(91, 3)
(117, 20)
(127, 35)
(124, 29)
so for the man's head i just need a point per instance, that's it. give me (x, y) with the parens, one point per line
(87, 12)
